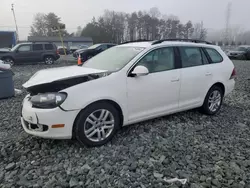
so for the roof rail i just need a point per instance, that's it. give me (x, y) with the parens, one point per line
(184, 40)
(139, 40)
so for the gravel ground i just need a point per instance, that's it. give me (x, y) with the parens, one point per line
(208, 151)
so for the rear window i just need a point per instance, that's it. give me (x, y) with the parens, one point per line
(214, 55)
(49, 47)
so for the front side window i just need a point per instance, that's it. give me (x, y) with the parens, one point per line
(159, 60)
(214, 55)
(37, 47)
(24, 48)
(190, 56)
(113, 59)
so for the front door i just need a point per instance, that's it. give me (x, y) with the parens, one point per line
(23, 54)
(158, 92)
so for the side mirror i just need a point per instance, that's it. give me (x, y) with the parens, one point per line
(140, 71)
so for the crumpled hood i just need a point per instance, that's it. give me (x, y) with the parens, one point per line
(56, 74)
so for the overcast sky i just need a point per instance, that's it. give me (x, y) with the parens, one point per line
(78, 12)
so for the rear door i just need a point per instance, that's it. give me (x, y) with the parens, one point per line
(23, 53)
(37, 52)
(195, 77)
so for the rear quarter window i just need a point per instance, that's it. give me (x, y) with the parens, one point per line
(49, 46)
(214, 55)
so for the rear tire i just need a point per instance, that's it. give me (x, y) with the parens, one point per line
(97, 124)
(9, 60)
(49, 60)
(213, 101)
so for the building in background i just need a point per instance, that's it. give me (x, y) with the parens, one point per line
(7, 39)
(68, 41)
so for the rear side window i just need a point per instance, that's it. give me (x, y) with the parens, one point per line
(37, 47)
(49, 47)
(214, 55)
(190, 56)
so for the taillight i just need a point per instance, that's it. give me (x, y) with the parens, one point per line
(233, 75)
(57, 51)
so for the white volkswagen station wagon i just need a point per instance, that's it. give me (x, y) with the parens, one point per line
(123, 85)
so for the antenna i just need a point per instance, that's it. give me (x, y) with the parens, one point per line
(228, 17)
(12, 8)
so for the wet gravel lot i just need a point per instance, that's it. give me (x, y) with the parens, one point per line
(208, 151)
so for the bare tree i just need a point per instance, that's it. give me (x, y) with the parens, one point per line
(199, 31)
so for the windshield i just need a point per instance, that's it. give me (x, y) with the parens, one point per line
(15, 47)
(113, 59)
(94, 46)
(241, 48)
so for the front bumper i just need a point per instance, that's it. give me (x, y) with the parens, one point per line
(235, 56)
(38, 122)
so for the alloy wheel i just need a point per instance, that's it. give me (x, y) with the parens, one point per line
(9, 61)
(214, 101)
(49, 60)
(99, 125)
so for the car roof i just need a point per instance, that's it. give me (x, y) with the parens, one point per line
(148, 44)
(23, 43)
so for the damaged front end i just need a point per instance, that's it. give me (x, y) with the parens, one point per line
(62, 84)
(50, 95)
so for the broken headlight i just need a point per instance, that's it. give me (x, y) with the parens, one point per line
(48, 100)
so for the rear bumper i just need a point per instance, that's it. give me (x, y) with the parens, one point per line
(57, 56)
(229, 86)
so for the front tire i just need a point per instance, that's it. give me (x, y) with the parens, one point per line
(97, 124)
(213, 101)
(9, 60)
(49, 60)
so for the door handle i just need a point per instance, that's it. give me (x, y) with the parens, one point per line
(175, 80)
(208, 74)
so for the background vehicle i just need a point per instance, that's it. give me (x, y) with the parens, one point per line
(241, 52)
(30, 52)
(8, 39)
(92, 51)
(60, 50)
(127, 84)
(75, 48)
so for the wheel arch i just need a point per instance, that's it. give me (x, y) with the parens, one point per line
(7, 56)
(113, 103)
(47, 55)
(219, 84)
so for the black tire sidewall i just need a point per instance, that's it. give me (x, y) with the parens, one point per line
(53, 60)
(205, 106)
(79, 126)
(13, 62)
